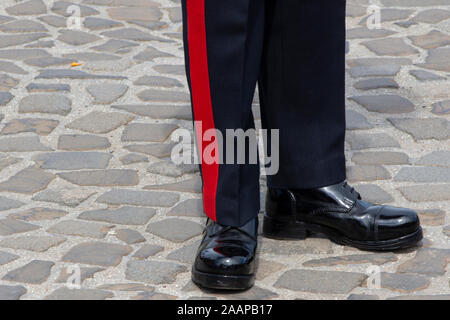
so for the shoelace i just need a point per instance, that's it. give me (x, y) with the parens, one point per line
(351, 189)
(228, 228)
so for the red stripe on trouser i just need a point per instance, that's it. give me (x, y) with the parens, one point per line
(201, 98)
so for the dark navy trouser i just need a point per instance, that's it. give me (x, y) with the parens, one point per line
(295, 51)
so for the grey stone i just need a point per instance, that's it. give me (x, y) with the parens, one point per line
(413, 3)
(376, 83)
(378, 62)
(374, 71)
(431, 217)
(38, 214)
(174, 229)
(46, 103)
(11, 292)
(73, 74)
(427, 261)
(380, 157)
(150, 53)
(426, 192)
(367, 173)
(39, 126)
(48, 87)
(385, 103)
(65, 293)
(425, 128)
(185, 254)
(423, 75)
(389, 14)
(147, 250)
(364, 32)
(320, 281)
(73, 160)
(102, 178)
(6, 257)
(82, 142)
(373, 140)
(163, 96)
(437, 59)
(32, 243)
(435, 158)
(188, 208)
(97, 253)
(35, 272)
(62, 8)
(132, 158)
(6, 84)
(49, 62)
(7, 203)
(85, 273)
(159, 150)
(23, 54)
(5, 98)
(355, 296)
(154, 272)
(373, 193)
(423, 174)
(193, 185)
(432, 39)
(80, 228)
(106, 93)
(23, 26)
(77, 38)
(154, 132)
(133, 34)
(403, 282)
(9, 67)
(124, 215)
(54, 21)
(422, 297)
(28, 180)
(127, 287)
(7, 160)
(129, 236)
(390, 47)
(154, 81)
(100, 24)
(100, 122)
(178, 70)
(31, 7)
(92, 57)
(432, 16)
(291, 248)
(441, 107)
(170, 169)
(373, 259)
(22, 144)
(116, 46)
(158, 111)
(66, 197)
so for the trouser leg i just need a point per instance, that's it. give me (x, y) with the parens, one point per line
(223, 44)
(302, 90)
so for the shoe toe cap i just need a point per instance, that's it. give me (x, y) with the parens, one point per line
(393, 222)
(225, 260)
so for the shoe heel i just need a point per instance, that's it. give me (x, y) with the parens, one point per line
(277, 229)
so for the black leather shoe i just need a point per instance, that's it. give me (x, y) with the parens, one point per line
(226, 257)
(338, 212)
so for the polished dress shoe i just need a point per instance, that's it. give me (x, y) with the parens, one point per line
(338, 212)
(226, 257)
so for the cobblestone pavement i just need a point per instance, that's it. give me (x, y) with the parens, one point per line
(86, 185)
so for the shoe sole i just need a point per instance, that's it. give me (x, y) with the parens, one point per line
(275, 229)
(222, 282)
